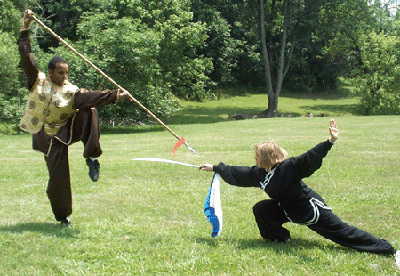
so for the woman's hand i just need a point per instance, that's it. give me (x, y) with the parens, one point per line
(333, 130)
(206, 167)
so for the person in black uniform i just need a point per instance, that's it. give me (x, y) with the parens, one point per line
(291, 200)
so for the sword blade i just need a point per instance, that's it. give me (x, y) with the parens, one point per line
(166, 161)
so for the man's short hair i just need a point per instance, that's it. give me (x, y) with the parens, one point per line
(54, 61)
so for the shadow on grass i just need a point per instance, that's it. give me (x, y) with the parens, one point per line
(348, 108)
(46, 228)
(204, 115)
(207, 115)
(317, 96)
(294, 246)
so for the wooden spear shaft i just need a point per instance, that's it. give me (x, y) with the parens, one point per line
(109, 79)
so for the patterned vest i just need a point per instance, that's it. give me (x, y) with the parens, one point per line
(49, 106)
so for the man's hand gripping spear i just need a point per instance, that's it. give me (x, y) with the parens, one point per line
(125, 93)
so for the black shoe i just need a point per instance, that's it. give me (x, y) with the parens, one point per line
(94, 169)
(66, 223)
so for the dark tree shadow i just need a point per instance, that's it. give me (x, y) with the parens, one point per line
(348, 108)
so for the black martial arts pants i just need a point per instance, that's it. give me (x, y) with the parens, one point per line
(84, 126)
(270, 217)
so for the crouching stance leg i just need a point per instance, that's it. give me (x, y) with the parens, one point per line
(270, 217)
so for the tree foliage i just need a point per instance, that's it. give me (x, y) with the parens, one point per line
(11, 96)
(379, 86)
(162, 51)
(12, 93)
(149, 48)
(365, 40)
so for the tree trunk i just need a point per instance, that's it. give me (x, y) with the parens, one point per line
(267, 66)
(274, 89)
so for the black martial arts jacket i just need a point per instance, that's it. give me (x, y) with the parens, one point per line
(284, 183)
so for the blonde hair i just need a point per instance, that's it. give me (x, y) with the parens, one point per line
(271, 154)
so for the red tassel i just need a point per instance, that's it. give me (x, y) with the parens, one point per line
(177, 145)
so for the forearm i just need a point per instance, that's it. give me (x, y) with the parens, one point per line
(237, 175)
(28, 62)
(88, 99)
(307, 163)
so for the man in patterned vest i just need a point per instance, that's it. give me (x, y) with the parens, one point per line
(58, 114)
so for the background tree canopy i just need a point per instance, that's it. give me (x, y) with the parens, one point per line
(163, 51)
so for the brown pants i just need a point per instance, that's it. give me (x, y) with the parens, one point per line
(85, 128)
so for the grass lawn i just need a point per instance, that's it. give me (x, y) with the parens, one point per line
(145, 218)
(290, 104)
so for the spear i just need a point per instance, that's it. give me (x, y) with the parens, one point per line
(131, 98)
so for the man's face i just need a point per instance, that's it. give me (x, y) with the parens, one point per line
(59, 74)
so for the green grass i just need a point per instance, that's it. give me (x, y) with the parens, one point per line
(145, 218)
(290, 104)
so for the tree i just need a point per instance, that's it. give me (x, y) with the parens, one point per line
(148, 47)
(12, 91)
(220, 46)
(365, 36)
(283, 19)
(341, 28)
(379, 86)
(63, 16)
(345, 23)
